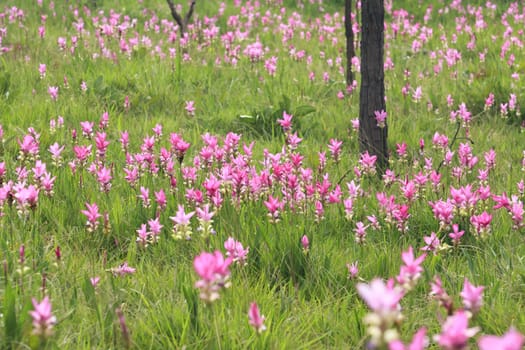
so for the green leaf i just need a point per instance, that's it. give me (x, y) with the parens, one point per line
(10, 323)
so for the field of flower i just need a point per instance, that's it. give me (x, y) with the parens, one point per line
(206, 190)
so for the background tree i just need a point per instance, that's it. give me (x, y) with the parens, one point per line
(372, 137)
(350, 50)
(182, 22)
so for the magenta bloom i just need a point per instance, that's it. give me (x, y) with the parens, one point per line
(512, 340)
(214, 273)
(380, 297)
(472, 296)
(92, 215)
(43, 319)
(455, 334)
(305, 243)
(256, 319)
(123, 270)
(419, 342)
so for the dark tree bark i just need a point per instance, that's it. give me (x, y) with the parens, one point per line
(350, 50)
(372, 138)
(181, 22)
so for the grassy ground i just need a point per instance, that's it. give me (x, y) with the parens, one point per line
(307, 298)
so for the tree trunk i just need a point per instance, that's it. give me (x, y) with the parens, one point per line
(372, 138)
(349, 33)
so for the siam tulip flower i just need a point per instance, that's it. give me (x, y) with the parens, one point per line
(411, 271)
(353, 270)
(160, 198)
(104, 179)
(181, 224)
(383, 301)
(123, 270)
(43, 319)
(190, 108)
(481, 223)
(53, 92)
(454, 332)
(92, 215)
(26, 198)
(213, 272)
(47, 182)
(274, 207)
(335, 149)
(236, 250)
(56, 151)
(82, 153)
(94, 281)
(256, 320)
(360, 232)
(143, 236)
(439, 293)
(349, 208)
(293, 140)
(472, 296)
(124, 140)
(517, 212)
(155, 228)
(456, 234)
(419, 342)
(512, 340)
(367, 163)
(42, 70)
(102, 144)
(28, 147)
(305, 243)
(432, 243)
(144, 197)
(380, 118)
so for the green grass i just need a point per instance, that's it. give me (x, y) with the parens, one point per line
(308, 301)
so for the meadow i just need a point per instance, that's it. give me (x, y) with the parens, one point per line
(206, 191)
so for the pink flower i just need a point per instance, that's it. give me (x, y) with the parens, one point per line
(472, 296)
(214, 274)
(381, 298)
(481, 223)
(352, 270)
(92, 215)
(94, 281)
(432, 243)
(380, 118)
(512, 340)
(236, 250)
(456, 234)
(305, 243)
(43, 319)
(190, 107)
(53, 92)
(123, 270)
(255, 318)
(335, 149)
(181, 223)
(419, 342)
(454, 333)
(286, 122)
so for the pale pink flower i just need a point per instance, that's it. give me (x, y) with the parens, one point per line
(43, 319)
(123, 270)
(455, 332)
(472, 296)
(53, 92)
(419, 342)
(190, 107)
(512, 340)
(256, 320)
(213, 272)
